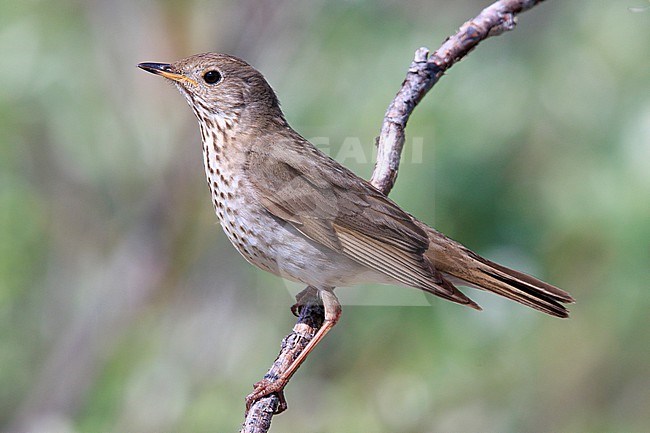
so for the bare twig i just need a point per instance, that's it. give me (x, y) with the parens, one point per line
(310, 318)
(422, 75)
(425, 71)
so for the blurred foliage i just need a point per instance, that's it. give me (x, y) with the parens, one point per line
(124, 309)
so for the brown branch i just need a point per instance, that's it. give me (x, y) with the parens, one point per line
(425, 71)
(422, 75)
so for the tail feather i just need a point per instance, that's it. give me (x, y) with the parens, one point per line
(531, 296)
(552, 291)
(466, 267)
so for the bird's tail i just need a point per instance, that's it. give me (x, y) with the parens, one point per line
(463, 266)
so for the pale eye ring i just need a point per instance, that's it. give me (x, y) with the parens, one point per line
(212, 77)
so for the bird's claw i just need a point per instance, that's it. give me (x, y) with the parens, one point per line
(308, 295)
(295, 309)
(264, 388)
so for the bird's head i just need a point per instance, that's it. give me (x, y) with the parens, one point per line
(220, 85)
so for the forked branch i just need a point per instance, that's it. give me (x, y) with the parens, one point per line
(422, 75)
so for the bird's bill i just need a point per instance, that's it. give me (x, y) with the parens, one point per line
(165, 70)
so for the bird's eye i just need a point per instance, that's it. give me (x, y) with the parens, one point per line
(212, 77)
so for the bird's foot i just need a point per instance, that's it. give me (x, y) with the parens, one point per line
(264, 388)
(308, 295)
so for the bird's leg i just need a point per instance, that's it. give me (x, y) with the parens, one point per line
(310, 293)
(267, 386)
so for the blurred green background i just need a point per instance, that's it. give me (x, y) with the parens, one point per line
(123, 308)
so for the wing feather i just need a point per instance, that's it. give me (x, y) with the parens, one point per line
(332, 206)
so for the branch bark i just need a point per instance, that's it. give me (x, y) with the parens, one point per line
(423, 73)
